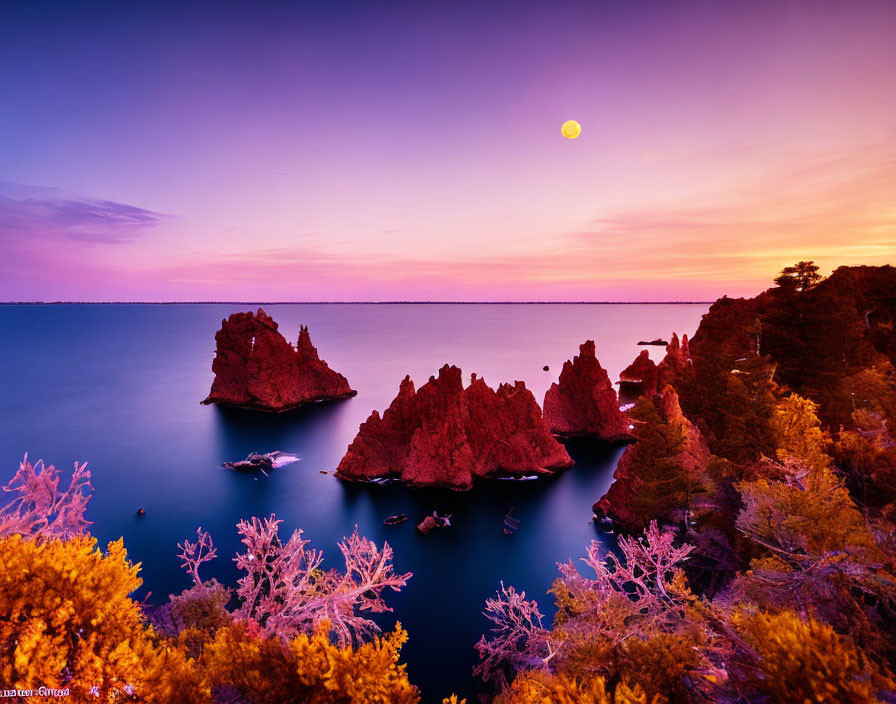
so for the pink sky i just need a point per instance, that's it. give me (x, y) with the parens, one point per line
(418, 156)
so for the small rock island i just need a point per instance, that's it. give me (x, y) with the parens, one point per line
(445, 435)
(257, 368)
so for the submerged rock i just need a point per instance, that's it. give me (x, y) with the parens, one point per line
(434, 521)
(511, 524)
(263, 462)
(255, 367)
(584, 402)
(253, 463)
(444, 435)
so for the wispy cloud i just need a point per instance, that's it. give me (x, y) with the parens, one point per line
(84, 220)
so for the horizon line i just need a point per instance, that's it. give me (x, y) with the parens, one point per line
(330, 303)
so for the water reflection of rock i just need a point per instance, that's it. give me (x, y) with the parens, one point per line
(301, 431)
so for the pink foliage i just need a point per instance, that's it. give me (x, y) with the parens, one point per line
(519, 640)
(279, 577)
(645, 576)
(194, 554)
(640, 593)
(41, 510)
(284, 590)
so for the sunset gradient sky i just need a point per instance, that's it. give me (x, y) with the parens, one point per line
(412, 151)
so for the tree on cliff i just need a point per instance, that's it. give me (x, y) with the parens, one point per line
(797, 432)
(800, 277)
(819, 555)
(838, 327)
(865, 446)
(794, 391)
(867, 456)
(660, 475)
(732, 400)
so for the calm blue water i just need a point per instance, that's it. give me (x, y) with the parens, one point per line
(119, 386)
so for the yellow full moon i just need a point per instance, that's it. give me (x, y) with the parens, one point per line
(571, 129)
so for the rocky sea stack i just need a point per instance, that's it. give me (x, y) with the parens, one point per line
(584, 402)
(256, 367)
(444, 435)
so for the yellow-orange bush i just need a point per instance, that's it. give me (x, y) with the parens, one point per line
(66, 620)
(540, 687)
(797, 431)
(308, 669)
(803, 660)
(369, 673)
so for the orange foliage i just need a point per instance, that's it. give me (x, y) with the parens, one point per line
(66, 620)
(797, 432)
(802, 660)
(265, 670)
(538, 687)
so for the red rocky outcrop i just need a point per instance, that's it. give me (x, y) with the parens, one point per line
(845, 323)
(640, 377)
(676, 364)
(584, 403)
(255, 367)
(447, 436)
(670, 460)
(812, 339)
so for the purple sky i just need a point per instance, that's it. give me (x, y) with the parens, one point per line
(387, 151)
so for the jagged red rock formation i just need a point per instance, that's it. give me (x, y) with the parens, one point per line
(639, 377)
(255, 367)
(670, 459)
(584, 402)
(447, 436)
(694, 454)
(675, 364)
